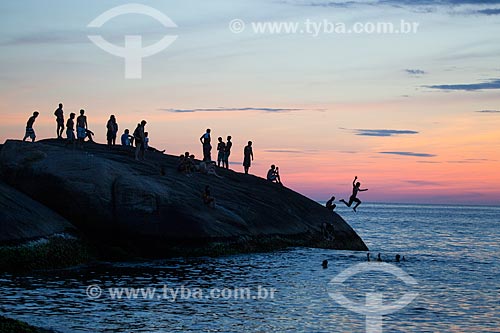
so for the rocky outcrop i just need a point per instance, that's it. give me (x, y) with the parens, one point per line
(152, 208)
(23, 219)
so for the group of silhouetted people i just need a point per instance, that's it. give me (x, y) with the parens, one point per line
(139, 138)
(186, 163)
(223, 149)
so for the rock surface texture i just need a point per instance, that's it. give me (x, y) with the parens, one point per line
(151, 207)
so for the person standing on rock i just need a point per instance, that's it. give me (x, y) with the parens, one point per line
(248, 157)
(355, 189)
(207, 147)
(227, 152)
(30, 132)
(221, 151)
(81, 127)
(112, 128)
(59, 113)
(139, 138)
(70, 129)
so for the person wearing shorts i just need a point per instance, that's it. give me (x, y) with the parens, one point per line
(30, 132)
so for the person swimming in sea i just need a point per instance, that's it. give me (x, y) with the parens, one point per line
(355, 189)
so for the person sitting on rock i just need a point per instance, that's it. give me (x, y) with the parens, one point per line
(148, 147)
(126, 138)
(89, 135)
(330, 205)
(181, 163)
(208, 168)
(211, 169)
(70, 129)
(273, 175)
(30, 132)
(207, 197)
(192, 164)
(328, 231)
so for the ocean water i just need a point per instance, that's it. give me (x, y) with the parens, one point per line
(451, 252)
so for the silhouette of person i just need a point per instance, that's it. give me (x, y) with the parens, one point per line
(81, 127)
(126, 138)
(148, 147)
(330, 205)
(227, 152)
(59, 113)
(30, 132)
(398, 257)
(221, 149)
(207, 147)
(139, 138)
(368, 256)
(248, 156)
(112, 130)
(89, 135)
(355, 189)
(207, 197)
(379, 259)
(70, 129)
(324, 263)
(273, 175)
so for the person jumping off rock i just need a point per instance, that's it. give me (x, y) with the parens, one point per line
(355, 189)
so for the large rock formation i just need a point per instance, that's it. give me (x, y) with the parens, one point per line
(23, 219)
(152, 208)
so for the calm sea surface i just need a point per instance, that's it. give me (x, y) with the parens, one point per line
(452, 252)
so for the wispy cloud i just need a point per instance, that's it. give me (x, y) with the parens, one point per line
(472, 160)
(415, 72)
(380, 132)
(421, 5)
(224, 109)
(488, 11)
(488, 111)
(407, 153)
(487, 85)
(291, 151)
(69, 37)
(422, 182)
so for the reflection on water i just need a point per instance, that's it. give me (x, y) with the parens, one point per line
(450, 250)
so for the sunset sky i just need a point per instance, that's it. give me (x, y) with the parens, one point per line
(415, 116)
